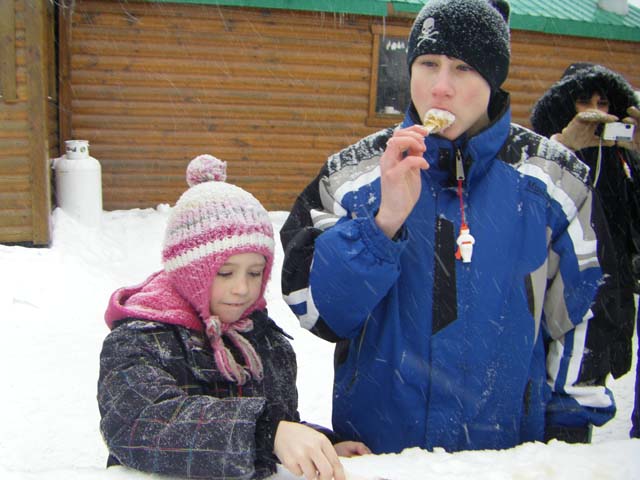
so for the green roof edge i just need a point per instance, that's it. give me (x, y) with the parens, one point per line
(576, 28)
(358, 7)
(378, 8)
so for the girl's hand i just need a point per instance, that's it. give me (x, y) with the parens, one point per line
(351, 449)
(305, 451)
(400, 181)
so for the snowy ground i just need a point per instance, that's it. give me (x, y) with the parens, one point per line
(52, 302)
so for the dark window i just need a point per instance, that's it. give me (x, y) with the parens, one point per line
(393, 78)
(389, 96)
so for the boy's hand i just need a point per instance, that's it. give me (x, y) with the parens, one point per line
(351, 449)
(400, 181)
(305, 451)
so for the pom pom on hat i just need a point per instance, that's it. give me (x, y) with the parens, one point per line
(206, 168)
(210, 222)
(474, 31)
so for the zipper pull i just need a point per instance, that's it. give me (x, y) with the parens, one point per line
(459, 167)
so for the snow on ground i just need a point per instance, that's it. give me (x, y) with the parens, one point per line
(52, 302)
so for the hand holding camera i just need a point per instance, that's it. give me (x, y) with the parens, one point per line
(584, 130)
(631, 123)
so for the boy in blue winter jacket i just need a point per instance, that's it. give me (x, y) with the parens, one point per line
(437, 349)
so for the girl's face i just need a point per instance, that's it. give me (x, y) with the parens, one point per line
(236, 286)
(438, 81)
(596, 102)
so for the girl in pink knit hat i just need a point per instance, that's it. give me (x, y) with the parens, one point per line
(195, 379)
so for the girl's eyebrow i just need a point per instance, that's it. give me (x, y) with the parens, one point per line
(233, 264)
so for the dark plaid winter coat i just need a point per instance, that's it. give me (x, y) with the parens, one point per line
(165, 408)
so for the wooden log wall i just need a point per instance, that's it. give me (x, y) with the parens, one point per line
(28, 120)
(273, 92)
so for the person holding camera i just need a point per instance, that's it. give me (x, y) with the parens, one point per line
(593, 111)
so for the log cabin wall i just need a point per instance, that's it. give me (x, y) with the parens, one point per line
(270, 91)
(273, 92)
(28, 120)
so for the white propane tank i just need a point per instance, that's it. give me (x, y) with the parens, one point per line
(79, 183)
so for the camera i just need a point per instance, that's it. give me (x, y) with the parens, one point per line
(618, 131)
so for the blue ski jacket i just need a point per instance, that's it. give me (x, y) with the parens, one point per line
(434, 352)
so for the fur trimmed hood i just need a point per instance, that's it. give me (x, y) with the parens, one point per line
(555, 109)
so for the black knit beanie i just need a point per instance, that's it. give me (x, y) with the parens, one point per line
(474, 31)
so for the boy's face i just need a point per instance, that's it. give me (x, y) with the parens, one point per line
(595, 102)
(438, 81)
(236, 286)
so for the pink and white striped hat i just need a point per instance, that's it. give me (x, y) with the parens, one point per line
(211, 221)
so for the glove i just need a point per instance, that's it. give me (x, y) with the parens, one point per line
(633, 118)
(620, 356)
(581, 130)
(568, 434)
